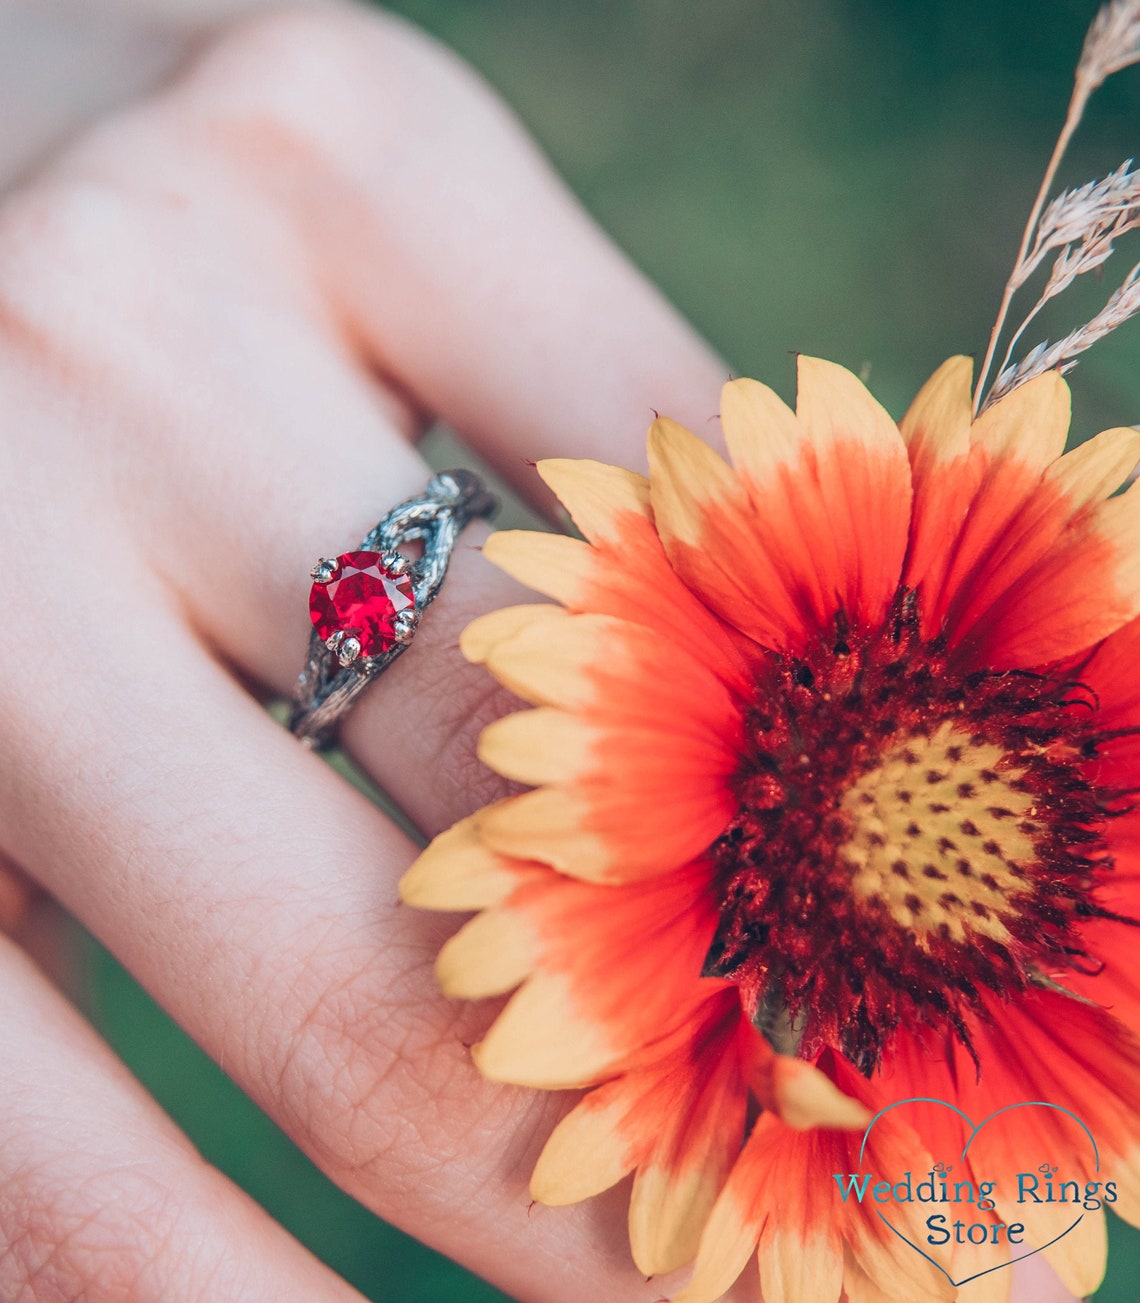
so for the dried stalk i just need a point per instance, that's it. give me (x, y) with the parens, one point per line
(1123, 304)
(1082, 223)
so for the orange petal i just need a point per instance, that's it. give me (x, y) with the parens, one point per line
(629, 802)
(1124, 1172)
(610, 665)
(728, 1242)
(644, 775)
(1116, 986)
(1050, 1047)
(769, 449)
(993, 523)
(802, 1097)
(1046, 1047)
(598, 497)
(1005, 539)
(686, 476)
(539, 746)
(1048, 609)
(551, 564)
(1097, 468)
(555, 671)
(668, 1211)
(550, 825)
(1006, 536)
(710, 533)
(614, 833)
(815, 520)
(1030, 424)
(458, 871)
(937, 432)
(625, 965)
(936, 427)
(801, 1226)
(795, 1268)
(968, 1259)
(693, 1124)
(588, 1151)
(541, 1040)
(626, 573)
(490, 955)
(891, 1146)
(481, 636)
(865, 484)
(981, 517)
(1080, 1257)
(859, 1287)
(1111, 673)
(761, 431)
(677, 1114)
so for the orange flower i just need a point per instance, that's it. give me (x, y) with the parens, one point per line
(832, 755)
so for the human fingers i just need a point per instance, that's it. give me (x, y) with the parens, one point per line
(100, 1196)
(64, 62)
(253, 892)
(240, 161)
(273, 947)
(509, 312)
(250, 890)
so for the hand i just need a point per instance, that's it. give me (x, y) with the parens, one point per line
(225, 317)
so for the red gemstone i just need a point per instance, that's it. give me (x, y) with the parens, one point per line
(361, 600)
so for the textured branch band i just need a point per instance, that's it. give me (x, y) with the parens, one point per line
(366, 605)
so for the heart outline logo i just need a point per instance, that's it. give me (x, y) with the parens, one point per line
(975, 1128)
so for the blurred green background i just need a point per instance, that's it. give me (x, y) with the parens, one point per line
(847, 179)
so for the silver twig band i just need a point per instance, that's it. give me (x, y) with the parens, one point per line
(366, 605)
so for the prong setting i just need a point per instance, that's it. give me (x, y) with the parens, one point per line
(325, 570)
(405, 626)
(396, 564)
(348, 650)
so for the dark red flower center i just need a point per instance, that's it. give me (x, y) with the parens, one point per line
(908, 836)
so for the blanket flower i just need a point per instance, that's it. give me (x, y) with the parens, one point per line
(833, 755)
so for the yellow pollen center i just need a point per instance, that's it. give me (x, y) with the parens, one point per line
(941, 839)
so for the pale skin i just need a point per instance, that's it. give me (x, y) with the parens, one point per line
(227, 312)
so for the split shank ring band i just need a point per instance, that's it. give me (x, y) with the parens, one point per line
(366, 605)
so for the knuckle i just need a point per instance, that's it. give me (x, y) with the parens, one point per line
(348, 1058)
(76, 254)
(313, 77)
(44, 238)
(287, 62)
(97, 1240)
(377, 1084)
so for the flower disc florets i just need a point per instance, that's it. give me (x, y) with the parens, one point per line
(906, 836)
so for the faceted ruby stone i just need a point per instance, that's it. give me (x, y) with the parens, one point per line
(361, 600)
